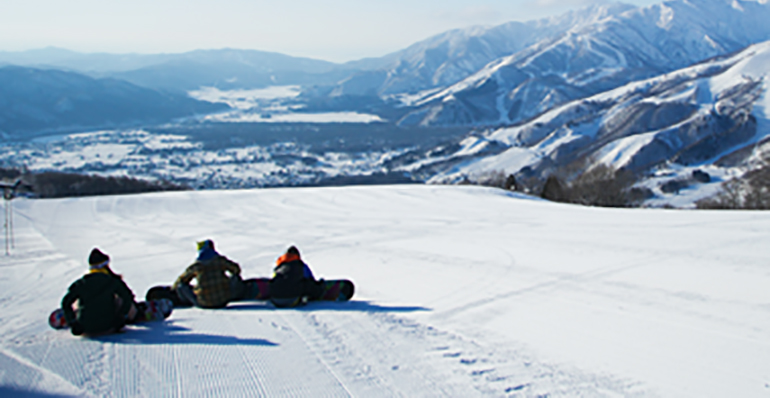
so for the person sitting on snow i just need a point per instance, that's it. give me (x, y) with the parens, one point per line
(214, 288)
(99, 302)
(293, 283)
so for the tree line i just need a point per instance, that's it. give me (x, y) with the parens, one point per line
(54, 184)
(604, 186)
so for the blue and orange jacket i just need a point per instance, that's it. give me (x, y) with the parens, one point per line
(290, 277)
(289, 257)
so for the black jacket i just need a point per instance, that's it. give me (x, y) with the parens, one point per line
(96, 295)
(290, 282)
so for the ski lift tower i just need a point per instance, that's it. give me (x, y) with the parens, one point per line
(9, 192)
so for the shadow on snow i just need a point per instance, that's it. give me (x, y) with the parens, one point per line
(360, 306)
(6, 391)
(168, 333)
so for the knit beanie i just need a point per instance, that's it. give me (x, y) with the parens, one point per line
(97, 259)
(206, 250)
(205, 244)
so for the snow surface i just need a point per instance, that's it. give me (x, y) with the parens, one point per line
(292, 117)
(266, 105)
(461, 291)
(244, 99)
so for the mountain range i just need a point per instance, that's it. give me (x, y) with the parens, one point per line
(657, 90)
(447, 58)
(224, 68)
(37, 101)
(712, 116)
(475, 76)
(587, 59)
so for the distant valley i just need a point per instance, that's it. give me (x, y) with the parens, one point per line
(661, 93)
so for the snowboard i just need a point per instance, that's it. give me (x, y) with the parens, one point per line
(165, 292)
(148, 311)
(333, 290)
(259, 289)
(337, 290)
(254, 289)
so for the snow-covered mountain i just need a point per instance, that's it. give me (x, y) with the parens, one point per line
(589, 59)
(712, 116)
(449, 57)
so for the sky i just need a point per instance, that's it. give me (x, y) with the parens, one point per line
(332, 30)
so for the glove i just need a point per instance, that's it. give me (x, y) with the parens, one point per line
(76, 328)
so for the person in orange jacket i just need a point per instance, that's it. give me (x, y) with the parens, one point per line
(293, 282)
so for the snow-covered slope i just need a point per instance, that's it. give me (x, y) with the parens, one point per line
(593, 58)
(711, 116)
(461, 291)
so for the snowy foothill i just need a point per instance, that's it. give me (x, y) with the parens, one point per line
(461, 291)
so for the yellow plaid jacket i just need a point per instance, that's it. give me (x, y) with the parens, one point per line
(213, 285)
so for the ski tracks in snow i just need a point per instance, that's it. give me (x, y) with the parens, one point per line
(357, 348)
(380, 354)
(324, 349)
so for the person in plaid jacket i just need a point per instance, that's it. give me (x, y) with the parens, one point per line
(214, 287)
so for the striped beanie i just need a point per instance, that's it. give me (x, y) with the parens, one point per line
(97, 259)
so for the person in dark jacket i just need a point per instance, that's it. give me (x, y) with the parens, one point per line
(99, 302)
(293, 283)
(214, 288)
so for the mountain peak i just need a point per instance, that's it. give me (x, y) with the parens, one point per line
(604, 47)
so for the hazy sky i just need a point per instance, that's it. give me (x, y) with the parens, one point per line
(333, 30)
